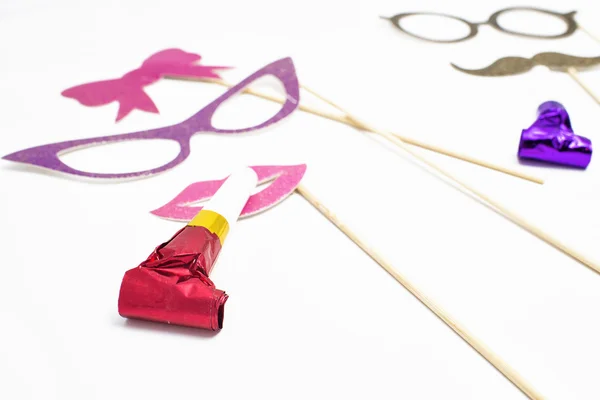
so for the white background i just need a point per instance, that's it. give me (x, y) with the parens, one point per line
(309, 315)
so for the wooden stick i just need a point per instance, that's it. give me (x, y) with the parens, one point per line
(590, 34)
(520, 221)
(512, 375)
(573, 74)
(348, 121)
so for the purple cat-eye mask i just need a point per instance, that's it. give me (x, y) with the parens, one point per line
(47, 156)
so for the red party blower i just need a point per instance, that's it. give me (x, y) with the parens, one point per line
(172, 285)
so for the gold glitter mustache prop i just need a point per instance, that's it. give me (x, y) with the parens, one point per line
(507, 66)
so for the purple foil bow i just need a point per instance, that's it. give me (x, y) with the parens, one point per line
(551, 139)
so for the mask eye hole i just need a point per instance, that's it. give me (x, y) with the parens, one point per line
(127, 155)
(435, 27)
(243, 110)
(532, 23)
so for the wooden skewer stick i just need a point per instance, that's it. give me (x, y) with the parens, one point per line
(512, 375)
(348, 121)
(573, 74)
(590, 34)
(520, 221)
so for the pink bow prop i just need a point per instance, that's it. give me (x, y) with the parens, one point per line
(285, 179)
(128, 90)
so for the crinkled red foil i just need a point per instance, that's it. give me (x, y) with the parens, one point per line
(172, 285)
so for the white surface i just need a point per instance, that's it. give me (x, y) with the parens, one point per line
(309, 315)
(233, 195)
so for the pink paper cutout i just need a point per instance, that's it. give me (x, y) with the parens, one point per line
(285, 180)
(128, 90)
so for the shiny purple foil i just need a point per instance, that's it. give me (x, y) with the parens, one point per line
(551, 139)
